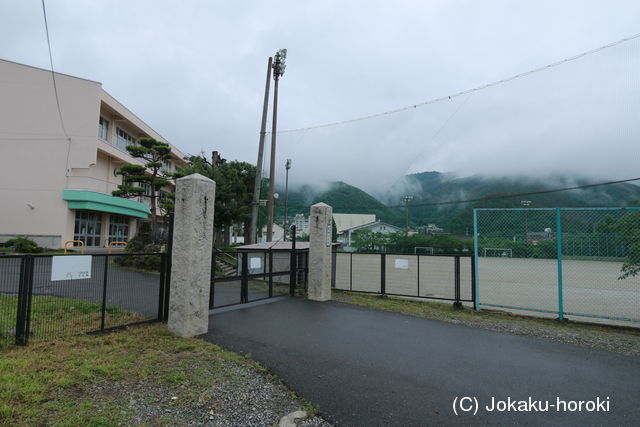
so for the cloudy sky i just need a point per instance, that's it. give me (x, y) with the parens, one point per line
(195, 70)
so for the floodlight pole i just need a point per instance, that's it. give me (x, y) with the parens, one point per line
(257, 185)
(278, 70)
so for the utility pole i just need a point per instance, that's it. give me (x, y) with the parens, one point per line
(526, 204)
(287, 166)
(253, 227)
(406, 200)
(278, 71)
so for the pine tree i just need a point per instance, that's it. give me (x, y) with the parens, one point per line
(152, 174)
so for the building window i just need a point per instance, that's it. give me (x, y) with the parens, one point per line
(103, 129)
(124, 139)
(167, 166)
(118, 228)
(87, 228)
(147, 192)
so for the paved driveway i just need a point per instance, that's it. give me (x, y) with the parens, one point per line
(368, 367)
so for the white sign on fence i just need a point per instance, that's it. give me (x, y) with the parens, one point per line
(402, 263)
(71, 267)
(255, 262)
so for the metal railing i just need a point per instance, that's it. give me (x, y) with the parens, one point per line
(110, 245)
(66, 248)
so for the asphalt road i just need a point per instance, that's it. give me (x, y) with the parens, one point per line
(369, 367)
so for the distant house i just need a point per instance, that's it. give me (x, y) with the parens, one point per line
(278, 234)
(302, 224)
(536, 236)
(346, 221)
(346, 236)
(431, 229)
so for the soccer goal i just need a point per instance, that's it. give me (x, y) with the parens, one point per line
(497, 252)
(423, 250)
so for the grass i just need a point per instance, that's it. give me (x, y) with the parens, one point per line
(71, 381)
(619, 339)
(53, 317)
(67, 378)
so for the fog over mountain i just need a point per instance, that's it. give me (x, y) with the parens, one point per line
(440, 198)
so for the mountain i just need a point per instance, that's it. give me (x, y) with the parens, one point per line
(344, 198)
(432, 191)
(435, 197)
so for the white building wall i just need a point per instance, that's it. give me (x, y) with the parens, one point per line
(36, 151)
(40, 162)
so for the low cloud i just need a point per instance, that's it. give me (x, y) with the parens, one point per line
(195, 73)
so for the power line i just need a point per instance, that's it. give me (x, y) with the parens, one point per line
(55, 90)
(482, 199)
(474, 89)
(53, 74)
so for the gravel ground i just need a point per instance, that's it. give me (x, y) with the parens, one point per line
(619, 340)
(244, 395)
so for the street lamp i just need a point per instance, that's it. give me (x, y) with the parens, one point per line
(406, 200)
(287, 166)
(278, 71)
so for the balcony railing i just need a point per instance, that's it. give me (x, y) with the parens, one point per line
(121, 143)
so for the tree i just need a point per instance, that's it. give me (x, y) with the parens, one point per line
(152, 175)
(369, 241)
(234, 189)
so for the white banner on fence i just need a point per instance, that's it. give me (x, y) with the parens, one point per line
(71, 267)
(402, 263)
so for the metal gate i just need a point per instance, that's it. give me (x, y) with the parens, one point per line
(257, 272)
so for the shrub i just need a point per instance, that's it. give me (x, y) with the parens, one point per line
(140, 243)
(23, 245)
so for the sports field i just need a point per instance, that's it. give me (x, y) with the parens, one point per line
(589, 287)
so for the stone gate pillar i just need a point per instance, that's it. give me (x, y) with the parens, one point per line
(191, 259)
(320, 252)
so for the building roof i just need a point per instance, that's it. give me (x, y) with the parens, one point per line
(347, 221)
(372, 224)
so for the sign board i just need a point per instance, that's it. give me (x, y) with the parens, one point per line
(255, 262)
(402, 264)
(329, 233)
(71, 267)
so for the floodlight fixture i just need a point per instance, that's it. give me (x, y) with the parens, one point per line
(279, 63)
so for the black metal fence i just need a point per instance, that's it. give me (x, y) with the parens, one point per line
(37, 304)
(438, 277)
(254, 275)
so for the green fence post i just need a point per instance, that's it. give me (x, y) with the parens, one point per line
(559, 256)
(475, 258)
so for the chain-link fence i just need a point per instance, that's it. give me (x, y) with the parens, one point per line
(564, 261)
